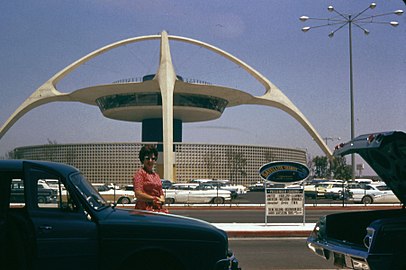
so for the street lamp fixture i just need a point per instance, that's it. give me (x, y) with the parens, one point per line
(331, 139)
(340, 22)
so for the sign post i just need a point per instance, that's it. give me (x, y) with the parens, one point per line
(284, 201)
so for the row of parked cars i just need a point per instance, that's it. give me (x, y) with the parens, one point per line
(196, 191)
(363, 191)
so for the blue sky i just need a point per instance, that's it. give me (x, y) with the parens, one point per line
(39, 38)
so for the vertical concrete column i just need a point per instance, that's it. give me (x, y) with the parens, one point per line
(166, 77)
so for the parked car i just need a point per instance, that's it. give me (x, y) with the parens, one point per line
(364, 181)
(115, 195)
(369, 239)
(319, 189)
(113, 186)
(185, 186)
(238, 189)
(372, 193)
(334, 190)
(52, 183)
(196, 193)
(225, 184)
(219, 185)
(338, 192)
(82, 231)
(166, 183)
(314, 181)
(260, 186)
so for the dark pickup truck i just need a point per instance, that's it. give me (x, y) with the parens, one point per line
(370, 239)
(80, 230)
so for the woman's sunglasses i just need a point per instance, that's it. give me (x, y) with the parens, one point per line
(146, 158)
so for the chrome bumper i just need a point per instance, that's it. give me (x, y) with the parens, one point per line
(230, 263)
(340, 258)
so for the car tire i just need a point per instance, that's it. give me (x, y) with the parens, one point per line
(124, 200)
(218, 200)
(367, 200)
(169, 200)
(41, 199)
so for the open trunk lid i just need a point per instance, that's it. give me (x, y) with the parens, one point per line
(385, 152)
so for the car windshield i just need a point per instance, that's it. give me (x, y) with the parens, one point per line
(92, 197)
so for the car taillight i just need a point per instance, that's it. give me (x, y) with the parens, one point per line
(368, 237)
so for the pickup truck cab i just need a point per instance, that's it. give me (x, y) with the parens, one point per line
(80, 230)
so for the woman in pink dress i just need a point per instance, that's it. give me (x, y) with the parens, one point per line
(147, 183)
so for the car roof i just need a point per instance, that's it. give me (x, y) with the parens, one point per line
(11, 165)
(385, 152)
(18, 164)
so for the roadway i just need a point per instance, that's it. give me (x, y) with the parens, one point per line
(276, 253)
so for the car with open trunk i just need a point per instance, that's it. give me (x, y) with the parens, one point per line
(373, 239)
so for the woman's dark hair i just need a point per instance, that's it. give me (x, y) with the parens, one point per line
(147, 150)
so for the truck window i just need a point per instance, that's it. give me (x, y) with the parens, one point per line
(47, 195)
(17, 197)
(53, 194)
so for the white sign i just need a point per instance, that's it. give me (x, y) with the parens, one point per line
(284, 202)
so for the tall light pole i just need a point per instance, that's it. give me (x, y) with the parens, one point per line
(340, 22)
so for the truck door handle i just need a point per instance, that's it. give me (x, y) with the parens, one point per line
(45, 228)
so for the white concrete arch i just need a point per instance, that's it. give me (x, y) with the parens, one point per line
(166, 78)
(273, 96)
(47, 92)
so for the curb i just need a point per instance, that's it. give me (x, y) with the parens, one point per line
(246, 234)
(245, 230)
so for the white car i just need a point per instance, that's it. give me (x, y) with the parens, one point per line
(372, 193)
(196, 194)
(184, 186)
(322, 188)
(223, 184)
(237, 189)
(52, 183)
(115, 195)
(335, 190)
